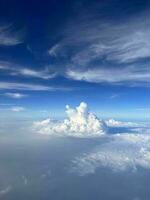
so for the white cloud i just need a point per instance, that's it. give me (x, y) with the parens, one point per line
(53, 51)
(114, 96)
(122, 152)
(27, 86)
(80, 123)
(115, 123)
(25, 180)
(107, 51)
(17, 109)
(5, 190)
(6, 104)
(15, 70)
(130, 75)
(123, 41)
(9, 36)
(45, 74)
(15, 95)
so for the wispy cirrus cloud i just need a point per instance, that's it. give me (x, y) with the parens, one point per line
(54, 50)
(130, 75)
(123, 41)
(15, 95)
(9, 36)
(30, 87)
(114, 96)
(107, 51)
(16, 70)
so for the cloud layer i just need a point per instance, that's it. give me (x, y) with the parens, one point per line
(118, 152)
(79, 123)
(122, 152)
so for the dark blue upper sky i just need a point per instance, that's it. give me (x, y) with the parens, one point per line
(54, 53)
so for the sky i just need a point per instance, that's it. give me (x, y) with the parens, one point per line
(75, 99)
(54, 53)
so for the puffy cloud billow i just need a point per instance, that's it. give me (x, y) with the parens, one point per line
(79, 123)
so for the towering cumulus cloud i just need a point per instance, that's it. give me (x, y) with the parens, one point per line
(79, 123)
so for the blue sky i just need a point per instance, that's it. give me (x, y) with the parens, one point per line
(54, 53)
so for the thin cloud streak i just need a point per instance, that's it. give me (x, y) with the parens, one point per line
(15, 95)
(5, 190)
(106, 51)
(131, 74)
(15, 70)
(122, 42)
(30, 87)
(9, 36)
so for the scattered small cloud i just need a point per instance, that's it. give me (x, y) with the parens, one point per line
(30, 87)
(6, 104)
(25, 180)
(5, 190)
(15, 70)
(143, 109)
(17, 109)
(114, 96)
(9, 36)
(54, 50)
(45, 74)
(115, 123)
(15, 95)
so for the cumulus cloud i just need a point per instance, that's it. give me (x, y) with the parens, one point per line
(82, 123)
(79, 123)
(122, 152)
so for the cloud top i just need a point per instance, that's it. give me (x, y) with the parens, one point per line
(121, 153)
(79, 123)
